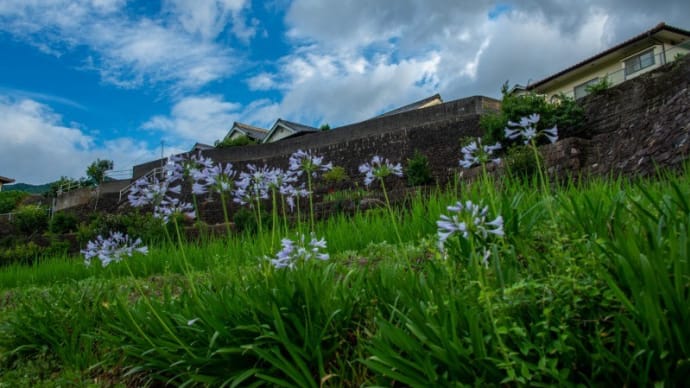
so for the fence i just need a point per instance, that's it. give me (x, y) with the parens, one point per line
(158, 171)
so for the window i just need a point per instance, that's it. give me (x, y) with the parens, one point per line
(639, 62)
(581, 90)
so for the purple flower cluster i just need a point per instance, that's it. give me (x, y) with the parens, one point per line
(294, 251)
(113, 248)
(468, 220)
(476, 153)
(379, 168)
(527, 129)
(306, 162)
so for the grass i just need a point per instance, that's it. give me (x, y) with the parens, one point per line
(590, 286)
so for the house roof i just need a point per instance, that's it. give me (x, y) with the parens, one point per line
(295, 128)
(6, 180)
(201, 147)
(423, 103)
(249, 130)
(660, 28)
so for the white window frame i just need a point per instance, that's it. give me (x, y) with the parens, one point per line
(637, 59)
(583, 87)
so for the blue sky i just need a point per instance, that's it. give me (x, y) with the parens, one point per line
(111, 79)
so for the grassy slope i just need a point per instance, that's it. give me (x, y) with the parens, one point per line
(588, 286)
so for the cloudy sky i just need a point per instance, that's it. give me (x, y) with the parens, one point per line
(116, 79)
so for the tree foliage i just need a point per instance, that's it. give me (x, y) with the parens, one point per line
(563, 111)
(238, 141)
(96, 170)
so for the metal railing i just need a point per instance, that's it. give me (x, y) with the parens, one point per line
(68, 186)
(120, 174)
(156, 171)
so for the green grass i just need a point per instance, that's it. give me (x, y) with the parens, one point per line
(590, 285)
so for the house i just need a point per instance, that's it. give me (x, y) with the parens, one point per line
(201, 147)
(423, 103)
(240, 129)
(4, 181)
(283, 129)
(636, 56)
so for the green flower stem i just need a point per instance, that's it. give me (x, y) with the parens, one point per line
(274, 216)
(311, 202)
(225, 213)
(390, 210)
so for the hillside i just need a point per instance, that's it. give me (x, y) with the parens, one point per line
(33, 189)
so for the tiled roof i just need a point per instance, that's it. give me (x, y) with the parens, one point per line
(413, 106)
(251, 131)
(6, 180)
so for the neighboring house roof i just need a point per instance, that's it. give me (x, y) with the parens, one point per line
(201, 147)
(6, 180)
(250, 131)
(423, 103)
(295, 129)
(660, 29)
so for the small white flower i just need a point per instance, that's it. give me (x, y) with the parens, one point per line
(293, 251)
(468, 220)
(379, 168)
(475, 153)
(527, 129)
(113, 248)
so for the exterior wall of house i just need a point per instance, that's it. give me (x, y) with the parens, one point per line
(614, 70)
(280, 133)
(235, 135)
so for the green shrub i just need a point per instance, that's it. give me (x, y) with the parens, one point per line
(30, 219)
(240, 141)
(336, 175)
(598, 87)
(418, 171)
(520, 162)
(20, 254)
(136, 225)
(245, 220)
(564, 112)
(62, 223)
(10, 199)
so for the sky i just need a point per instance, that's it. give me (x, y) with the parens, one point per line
(129, 80)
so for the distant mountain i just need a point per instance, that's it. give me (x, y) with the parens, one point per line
(34, 189)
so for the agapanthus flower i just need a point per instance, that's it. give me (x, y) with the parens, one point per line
(293, 251)
(114, 248)
(306, 161)
(291, 193)
(527, 129)
(252, 185)
(171, 206)
(477, 153)
(147, 191)
(468, 219)
(221, 179)
(379, 168)
(196, 168)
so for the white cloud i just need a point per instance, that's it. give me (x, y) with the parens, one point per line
(208, 18)
(36, 147)
(178, 47)
(193, 119)
(326, 87)
(357, 58)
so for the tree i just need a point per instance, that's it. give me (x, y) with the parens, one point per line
(96, 171)
(325, 127)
